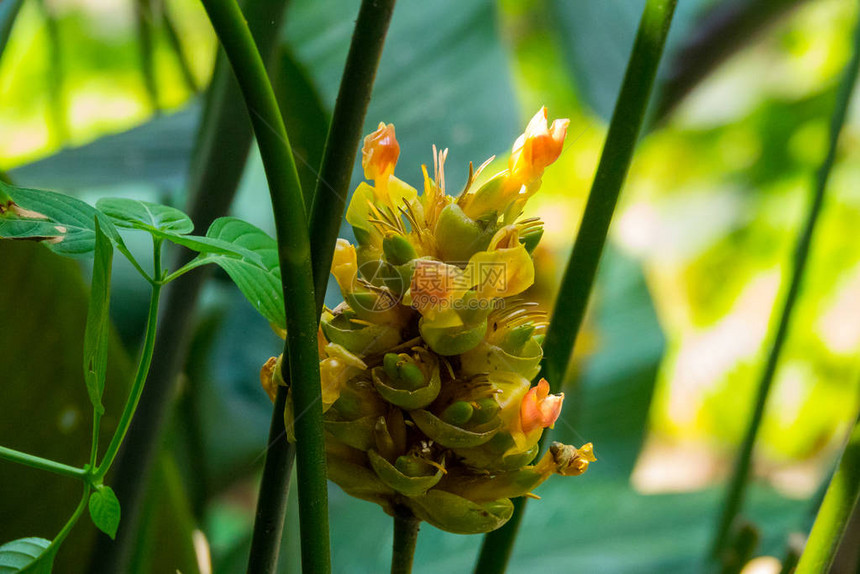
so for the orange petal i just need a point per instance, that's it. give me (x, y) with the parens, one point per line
(380, 153)
(540, 409)
(537, 148)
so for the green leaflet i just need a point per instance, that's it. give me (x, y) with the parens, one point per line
(105, 510)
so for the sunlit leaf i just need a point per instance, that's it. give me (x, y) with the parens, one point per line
(26, 555)
(105, 510)
(98, 321)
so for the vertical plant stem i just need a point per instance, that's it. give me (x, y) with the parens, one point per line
(578, 279)
(220, 154)
(328, 206)
(274, 491)
(405, 538)
(142, 369)
(740, 475)
(344, 135)
(294, 252)
(835, 512)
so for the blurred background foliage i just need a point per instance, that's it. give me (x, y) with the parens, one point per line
(101, 97)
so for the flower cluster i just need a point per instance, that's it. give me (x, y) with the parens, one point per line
(426, 365)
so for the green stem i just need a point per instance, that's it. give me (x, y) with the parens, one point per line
(146, 49)
(576, 285)
(42, 463)
(405, 538)
(327, 210)
(835, 512)
(740, 476)
(344, 136)
(142, 371)
(73, 519)
(294, 254)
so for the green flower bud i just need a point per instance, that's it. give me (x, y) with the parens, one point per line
(408, 382)
(516, 338)
(459, 515)
(448, 340)
(357, 399)
(355, 336)
(458, 414)
(489, 358)
(449, 435)
(458, 237)
(414, 466)
(394, 478)
(362, 236)
(398, 250)
(485, 410)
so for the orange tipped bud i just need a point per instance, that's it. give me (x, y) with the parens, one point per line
(380, 153)
(540, 409)
(537, 148)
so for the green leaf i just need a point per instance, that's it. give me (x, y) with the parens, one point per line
(98, 321)
(65, 224)
(137, 214)
(26, 555)
(257, 274)
(105, 510)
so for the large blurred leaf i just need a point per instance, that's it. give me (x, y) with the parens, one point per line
(598, 37)
(44, 405)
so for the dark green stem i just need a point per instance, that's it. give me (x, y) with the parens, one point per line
(835, 512)
(274, 491)
(344, 135)
(740, 475)
(327, 211)
(42, 463)
(405, 538)
(294, 254)
(576, 285)
(220, 154)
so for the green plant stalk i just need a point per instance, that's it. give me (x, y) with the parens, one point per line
(579, 275)
(294, 253)
(740, 475)
(328, 204)
(356, 86)
(142, 371)
(405, 538)
(42, 463)
(835, 512)
(220, 154)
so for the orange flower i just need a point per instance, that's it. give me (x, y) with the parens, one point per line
(537, 148)
(540, 409)
(380, 153)
(435, 285)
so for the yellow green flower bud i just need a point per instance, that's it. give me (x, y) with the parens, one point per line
(398, 250)
(450, 435)
(457, 414)
(458, 236)
(403, 483)
(343, 327)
